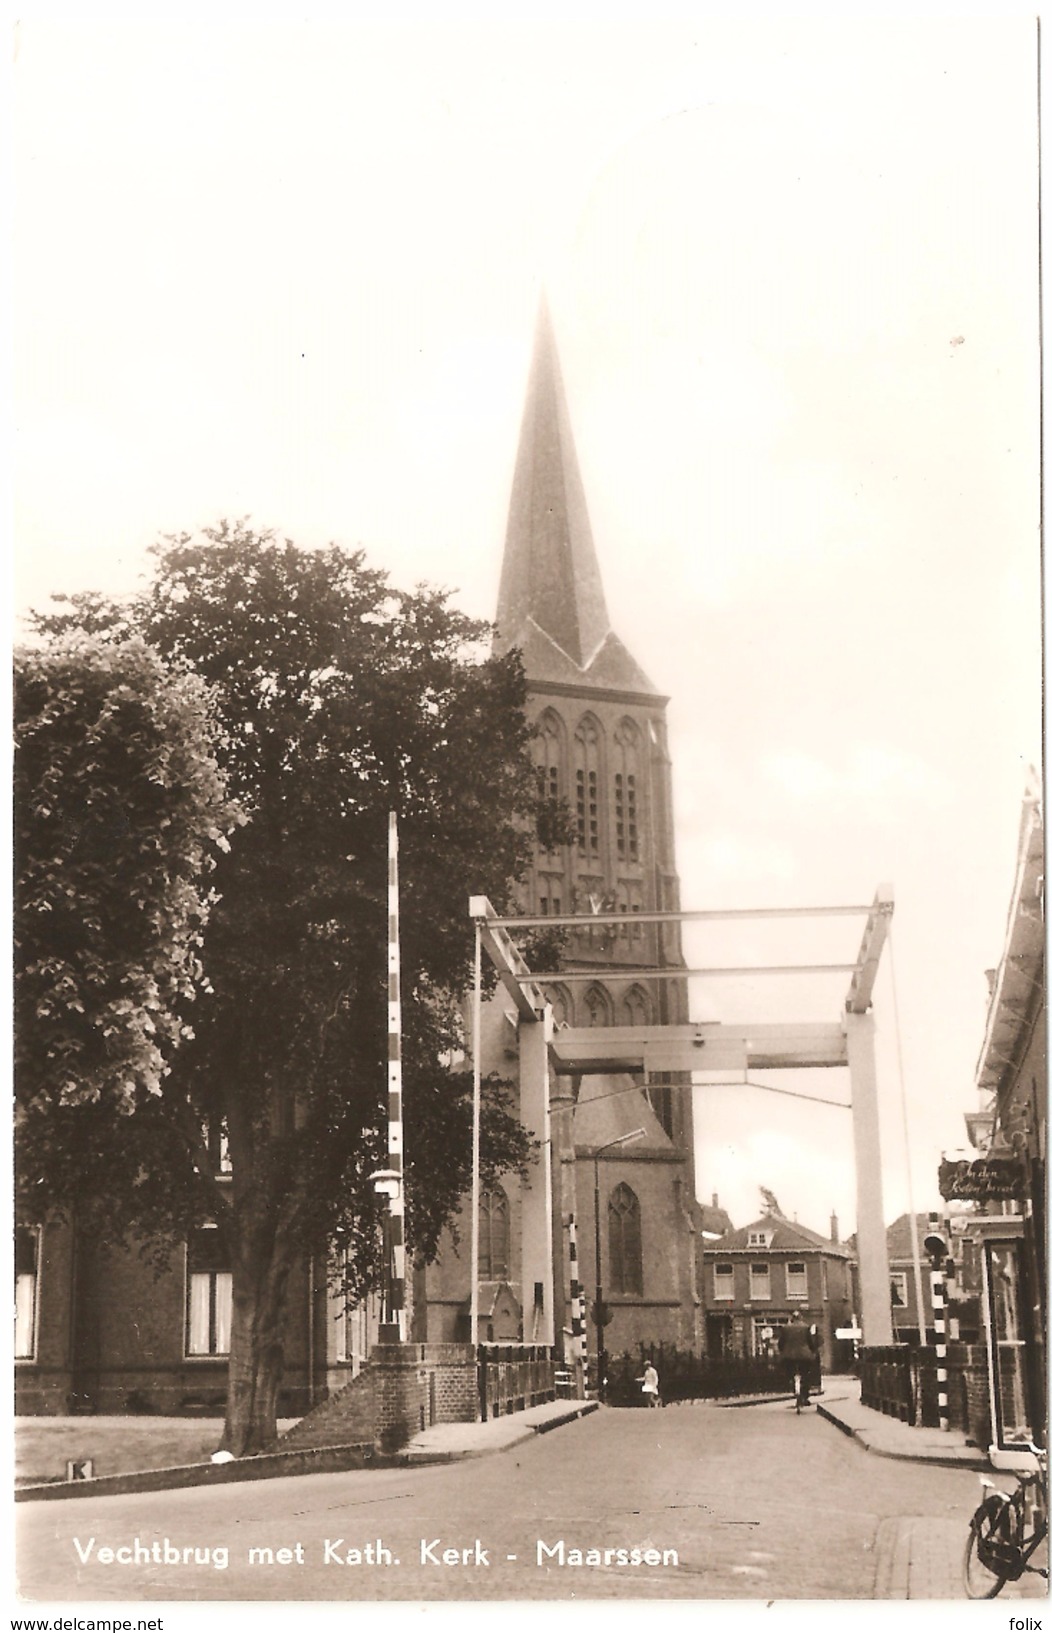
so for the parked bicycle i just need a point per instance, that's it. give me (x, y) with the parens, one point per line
(1006, 1531)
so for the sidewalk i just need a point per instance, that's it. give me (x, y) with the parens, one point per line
(446, 1441)
(889, 1437)
(917, 1556)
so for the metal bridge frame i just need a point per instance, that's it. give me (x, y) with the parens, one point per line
(700, 1046)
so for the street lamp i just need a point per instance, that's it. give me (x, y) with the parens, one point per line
(600, 1311)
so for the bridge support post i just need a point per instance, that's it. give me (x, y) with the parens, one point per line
(538, 1303)
(873, 1273)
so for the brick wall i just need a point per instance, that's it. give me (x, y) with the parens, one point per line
(901, 1381)
(977, 1400)
(403, 1388)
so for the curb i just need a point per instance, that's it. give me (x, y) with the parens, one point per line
(276, 1466)
(581, 1410)
(424, 1455)
(265, 1466)
(965, 1458)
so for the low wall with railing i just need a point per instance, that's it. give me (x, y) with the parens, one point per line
(901, 1381)
(513, 1377)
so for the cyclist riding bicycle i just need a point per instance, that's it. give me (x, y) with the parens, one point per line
(798, 1347)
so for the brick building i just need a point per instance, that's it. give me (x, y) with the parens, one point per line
(757, 1277)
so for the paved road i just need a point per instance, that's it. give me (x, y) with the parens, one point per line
(694, 1502)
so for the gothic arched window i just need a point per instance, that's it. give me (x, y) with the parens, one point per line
(596, 1006)
(549, 758)
(494, 1235)
(562, 1006)
(627, 788)
(587, 745)
(626, 1241)
(635, 1007)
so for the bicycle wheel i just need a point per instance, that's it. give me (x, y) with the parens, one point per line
(988, 1529)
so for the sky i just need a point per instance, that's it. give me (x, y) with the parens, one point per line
(289, 267)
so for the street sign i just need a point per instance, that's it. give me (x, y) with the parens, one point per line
(982, 1179)
(854, 1333)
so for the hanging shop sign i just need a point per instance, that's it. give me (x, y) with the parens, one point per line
(981, 1180)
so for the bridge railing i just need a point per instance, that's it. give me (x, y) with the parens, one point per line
(514, 1376)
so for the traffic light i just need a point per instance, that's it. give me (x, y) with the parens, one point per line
(936, 1242)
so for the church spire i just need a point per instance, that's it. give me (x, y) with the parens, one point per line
(550, 571)
(551, 601)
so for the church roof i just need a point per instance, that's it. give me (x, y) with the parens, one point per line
(551, 602)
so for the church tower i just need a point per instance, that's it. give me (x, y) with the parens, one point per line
(602, 746)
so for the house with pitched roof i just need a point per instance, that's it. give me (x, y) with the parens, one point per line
(757, 1277)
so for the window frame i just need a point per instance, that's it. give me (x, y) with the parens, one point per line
(34, 1233)
(625, 1256)
(797, 1268)
(494, 1205)
(720, 1271)
(220, 1304)
(754, 1296)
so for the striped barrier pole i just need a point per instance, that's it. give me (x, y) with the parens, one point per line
(577, 1322)
(953, 1321)
(938, 1311)
(396, 1190)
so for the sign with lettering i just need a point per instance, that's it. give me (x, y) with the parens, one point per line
(981, 1180)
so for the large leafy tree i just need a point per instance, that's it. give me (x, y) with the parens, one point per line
(120, 812)
(339, 699)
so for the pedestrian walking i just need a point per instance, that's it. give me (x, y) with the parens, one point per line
(797, 1348)
(651, 1387)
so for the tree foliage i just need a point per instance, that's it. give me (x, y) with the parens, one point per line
(337, 699)
(120, 812)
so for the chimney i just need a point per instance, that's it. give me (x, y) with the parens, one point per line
(834, 1228)
(715, 1200)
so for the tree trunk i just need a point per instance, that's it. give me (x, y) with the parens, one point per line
(261, 1263)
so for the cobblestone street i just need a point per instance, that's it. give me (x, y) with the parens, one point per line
(748, 1503)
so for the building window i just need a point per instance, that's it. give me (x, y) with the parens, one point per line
(549, 757)
(759, 1238)
(587, 786)
(355, 1326)
(899, 1290)
(759, 1281)
(766, 1330)
(494, 1235)
(796, 1280)
(635, 1007)
(626, 791)
(208, 1293)
(217, 1141)
(562, 1005)
(825, 1278)
(596, 1006)
(723, 1281)
(27, 1260)
(626, 1242)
